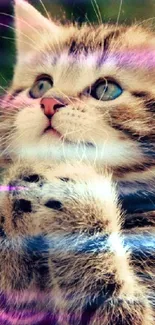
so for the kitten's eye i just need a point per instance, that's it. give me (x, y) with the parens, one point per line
(41, 86)
(105, 90)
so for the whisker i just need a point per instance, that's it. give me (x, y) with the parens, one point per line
(144, 21)
(93, 3)
(23, 21)
(3, 88)
(45, 10)
(119, 12)
(10, 109)
(32, 43)
(99, 12)
(23, 42)
(88, 20)
(11, 136)
(3, 77)
(14, 29)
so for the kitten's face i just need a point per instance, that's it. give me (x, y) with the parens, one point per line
(89, 85)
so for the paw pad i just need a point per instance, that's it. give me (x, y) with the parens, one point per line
(22, 206)
(53, 204)
(34, 178)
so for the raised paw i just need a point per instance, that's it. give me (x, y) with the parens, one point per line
(72, 213)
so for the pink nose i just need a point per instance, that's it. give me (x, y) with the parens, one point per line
(50, 106)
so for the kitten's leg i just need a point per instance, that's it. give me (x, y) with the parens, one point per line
(130, 304)
(92, 268)
(99, 290)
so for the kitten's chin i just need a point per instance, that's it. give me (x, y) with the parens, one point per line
(53, 146)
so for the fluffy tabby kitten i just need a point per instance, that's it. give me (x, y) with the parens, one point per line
(83, 92)
(65, 257)
(89, 86)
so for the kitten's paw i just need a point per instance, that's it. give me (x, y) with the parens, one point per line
(65, 199)
(77, 213)
(73, 208)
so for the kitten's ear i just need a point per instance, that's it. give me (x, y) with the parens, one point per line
(31, 26)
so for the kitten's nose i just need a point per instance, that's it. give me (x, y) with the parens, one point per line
(50, 106)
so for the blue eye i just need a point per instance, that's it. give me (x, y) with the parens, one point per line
(41, 86)
(105, 90)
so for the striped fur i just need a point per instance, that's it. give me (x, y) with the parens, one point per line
(75, 256)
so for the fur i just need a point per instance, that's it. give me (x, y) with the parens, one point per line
(116, 133)
(68, 219)
(83, 244)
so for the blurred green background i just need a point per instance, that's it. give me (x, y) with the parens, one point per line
(114, 11)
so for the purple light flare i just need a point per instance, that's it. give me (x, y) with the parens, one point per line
(7, 188)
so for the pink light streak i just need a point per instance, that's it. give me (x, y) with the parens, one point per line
(6, 188)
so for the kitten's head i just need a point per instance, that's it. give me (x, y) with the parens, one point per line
(90, 85)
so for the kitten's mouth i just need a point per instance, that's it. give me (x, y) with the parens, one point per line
(51, 130)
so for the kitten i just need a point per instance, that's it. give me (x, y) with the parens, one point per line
(87, 92)
(81, 92)
(65, 257)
